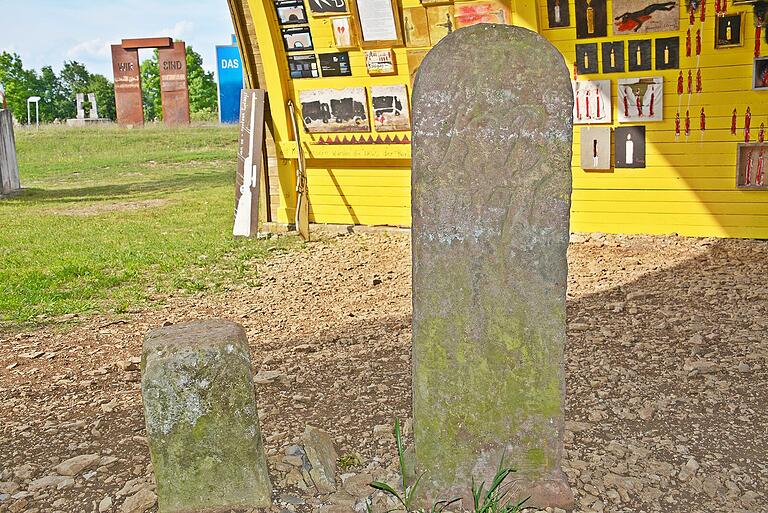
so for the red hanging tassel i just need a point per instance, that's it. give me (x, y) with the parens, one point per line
(677, 125)
(717, 7)
(758, 32)
(688, 43)
(747, 122)
(680, 83)
(733, 123)
(702, 14)
(761, 133)
(698, 42)
(702, 120)
(698, 80)
(690, 82)
(724, 7)
(687, 123)
(692, 17)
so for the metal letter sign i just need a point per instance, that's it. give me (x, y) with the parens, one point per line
(174, 93)
(249, 162)
(230, 73)
(125, 65)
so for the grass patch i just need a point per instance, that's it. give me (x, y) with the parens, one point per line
(110, 219)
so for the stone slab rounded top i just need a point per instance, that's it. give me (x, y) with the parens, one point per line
(210, 332)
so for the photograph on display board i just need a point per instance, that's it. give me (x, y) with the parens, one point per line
(630, 146)
(613, 57)
(415, 26)
(303, 66)
(415, 57)
(760, 74)
(595, 147)
(335, 64)
(378, 23)
(639, 55)
(380, 62)
(290, 12)
(322, 7)
(640, 99)
(297, 39)
(343, 32)
(668, 53)
(751, 166)
(390, 108)
(441, 23)
(728, 30)
(586, 58)
(558, 14)
(466, 15)
(591, 101)
(334, 110)
(641, 16)
(591, 19)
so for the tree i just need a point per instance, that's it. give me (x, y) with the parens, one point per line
(57, 92)
(20, 84)
(202, 87)
(150, 89)
(105, 95)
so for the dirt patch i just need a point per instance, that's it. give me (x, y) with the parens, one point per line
(667, 377)
(96, 209)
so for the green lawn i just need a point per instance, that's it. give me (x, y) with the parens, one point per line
(111, 219)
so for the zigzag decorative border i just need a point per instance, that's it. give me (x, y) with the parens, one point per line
(364, 140)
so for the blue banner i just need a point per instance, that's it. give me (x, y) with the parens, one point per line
(230, 73)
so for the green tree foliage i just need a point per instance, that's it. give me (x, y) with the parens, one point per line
(202, 88)
(20, 83)
(57, 92)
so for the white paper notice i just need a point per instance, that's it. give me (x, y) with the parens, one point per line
(377, 20)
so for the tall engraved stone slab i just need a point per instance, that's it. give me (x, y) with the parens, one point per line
(491, 185)
(125, 67)
(201, 417)
(174, 91)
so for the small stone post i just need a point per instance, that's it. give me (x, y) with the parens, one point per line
(201, 417)
(491, 185)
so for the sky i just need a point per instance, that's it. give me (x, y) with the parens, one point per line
(49, 32)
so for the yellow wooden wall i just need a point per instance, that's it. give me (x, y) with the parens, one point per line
(688, 186)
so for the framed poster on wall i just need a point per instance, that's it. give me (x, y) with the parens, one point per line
(326, 7)
(378, 23)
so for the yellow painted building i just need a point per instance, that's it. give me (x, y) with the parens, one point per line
(687, 187)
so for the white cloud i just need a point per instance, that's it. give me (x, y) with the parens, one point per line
(179, 31)
(94, 48)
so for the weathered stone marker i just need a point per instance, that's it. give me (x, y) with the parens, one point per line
(491, 185)
(201, 416)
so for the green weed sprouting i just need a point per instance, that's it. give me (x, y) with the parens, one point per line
(494, 500)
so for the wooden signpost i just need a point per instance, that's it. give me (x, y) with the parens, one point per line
(250, 163)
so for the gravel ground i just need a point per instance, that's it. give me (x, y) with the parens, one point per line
(667, 379)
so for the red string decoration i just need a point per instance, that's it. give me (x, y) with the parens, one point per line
(733, 123)
(690, 82)
(758, 32)
(680, 83)
(761, 133)
(747, 122)
(724, 8)
(717, 7)
(687, 123)
(698, 80)
(703, 13)
(692, 17)
(677, 125)
(702, 120)
(698, 42)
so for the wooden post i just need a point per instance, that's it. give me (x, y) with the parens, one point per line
(9, 166)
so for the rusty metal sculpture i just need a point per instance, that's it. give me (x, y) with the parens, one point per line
(174, 91)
